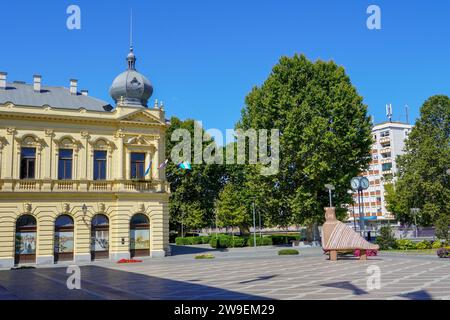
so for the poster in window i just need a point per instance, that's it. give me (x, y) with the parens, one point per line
(64, 242)
(100, 240)
(26, 243)
(139, 239)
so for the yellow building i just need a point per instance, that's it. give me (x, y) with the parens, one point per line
(79, 179)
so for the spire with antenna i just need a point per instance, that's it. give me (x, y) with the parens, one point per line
(131, 58)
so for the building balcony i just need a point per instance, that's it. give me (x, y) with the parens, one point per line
(385, 140)
(71, 186)
(386, 160)
(385, 150)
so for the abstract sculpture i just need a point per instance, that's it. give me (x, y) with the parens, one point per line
(336, 236)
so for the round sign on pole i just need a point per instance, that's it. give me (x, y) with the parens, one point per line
(355, 183)
(364, 183)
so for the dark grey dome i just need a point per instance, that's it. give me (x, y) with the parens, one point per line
(131, 87)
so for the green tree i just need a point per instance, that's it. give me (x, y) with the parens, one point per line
(233, 209)
(423, 181)
(193, 192)
(325, 137)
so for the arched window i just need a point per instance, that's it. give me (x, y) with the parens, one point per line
(139, 235)
(64, 238)
(99, 237)
(25, 247)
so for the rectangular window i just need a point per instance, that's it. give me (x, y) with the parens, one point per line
(27, 163)
(386, 166)
(137, 165)
(99, 165)
(65, 164)
(384, 134)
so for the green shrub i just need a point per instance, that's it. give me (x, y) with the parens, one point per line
(190, 240)
(437, 244)
(238, 242)
(205, 239)
(181, 241)
(205, 256)
(386, 239)
(260, 241)
(220, 241)
(284, 252)
(405, 244)
(422, 245)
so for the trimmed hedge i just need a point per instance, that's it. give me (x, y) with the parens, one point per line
(191, 240)
(205, 256)
(260, 241)
(285, 252)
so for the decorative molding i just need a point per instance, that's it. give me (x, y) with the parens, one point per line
(49, 132)
(11, 131)
(119, 134)
(28, 208)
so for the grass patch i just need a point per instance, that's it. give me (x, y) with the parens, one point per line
(205, 256)
(412, 251)
(286, 252)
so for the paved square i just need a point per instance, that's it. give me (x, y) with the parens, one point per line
(239, 274)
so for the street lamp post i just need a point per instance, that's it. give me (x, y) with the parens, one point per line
(350, 192)
(254, 225)
(330, 187)
(415, 211)
(259, 215)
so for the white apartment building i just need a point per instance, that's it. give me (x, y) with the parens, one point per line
(389, 142)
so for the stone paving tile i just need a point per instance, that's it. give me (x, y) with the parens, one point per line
(241, 274)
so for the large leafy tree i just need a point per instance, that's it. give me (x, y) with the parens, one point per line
(325, 137)
(423, 180)
(193, 192)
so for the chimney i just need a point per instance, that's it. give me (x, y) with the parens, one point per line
(84, 92)
(37, 83)
(73, 86)
(3, 80)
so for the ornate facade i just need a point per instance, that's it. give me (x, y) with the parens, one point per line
(79, 179)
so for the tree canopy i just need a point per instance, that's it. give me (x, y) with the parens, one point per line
(422, 180)
(325, 137)
(193, 192)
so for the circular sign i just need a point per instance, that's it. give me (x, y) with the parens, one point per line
(355, 183)
(364, 183)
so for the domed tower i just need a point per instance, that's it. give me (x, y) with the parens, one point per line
(131, 88)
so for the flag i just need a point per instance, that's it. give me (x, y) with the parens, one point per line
(164, 164)
(185, 165)
(148, 169)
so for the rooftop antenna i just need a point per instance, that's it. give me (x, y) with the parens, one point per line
(407, 115)
(131, 29)
(389, 112)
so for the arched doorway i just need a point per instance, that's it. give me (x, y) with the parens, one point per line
(100, 237)
(26, 237)
(63, 238)
(139, 236)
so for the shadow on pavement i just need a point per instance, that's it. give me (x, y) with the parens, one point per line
(179, 250)
(261, 278)
(98, 283)
(347, 286)
(417, 295)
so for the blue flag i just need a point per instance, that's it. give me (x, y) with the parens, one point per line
(185, 165)
(148, 169)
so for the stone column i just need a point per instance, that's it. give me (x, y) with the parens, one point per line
(8, 164)
(120, 136)
(48, 154)
(82, 233)
(120, 235)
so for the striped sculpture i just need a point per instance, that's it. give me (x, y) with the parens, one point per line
(336, 236)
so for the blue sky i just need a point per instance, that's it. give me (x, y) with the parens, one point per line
(204, 56)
